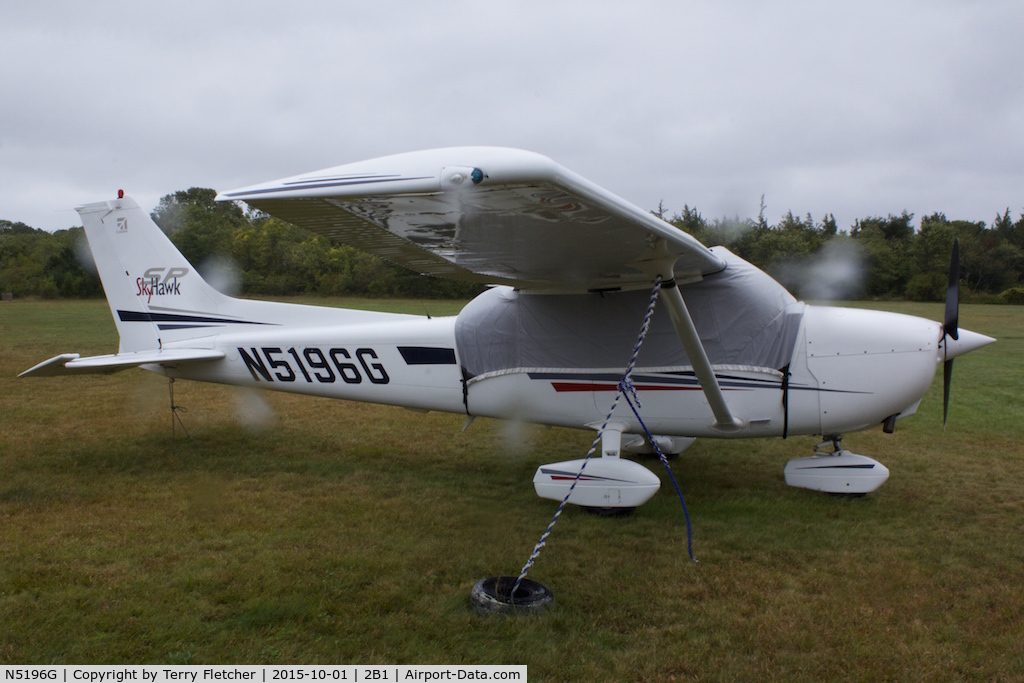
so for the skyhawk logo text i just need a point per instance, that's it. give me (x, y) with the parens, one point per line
(157, 282)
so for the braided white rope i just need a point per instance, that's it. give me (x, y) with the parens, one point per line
(624, 385)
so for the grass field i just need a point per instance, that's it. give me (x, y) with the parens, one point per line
(341, 532)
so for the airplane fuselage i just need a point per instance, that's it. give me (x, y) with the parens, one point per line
(850, 369)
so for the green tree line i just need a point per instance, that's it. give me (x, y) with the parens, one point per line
(875, 258)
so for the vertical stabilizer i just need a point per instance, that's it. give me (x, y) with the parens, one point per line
(146, 279)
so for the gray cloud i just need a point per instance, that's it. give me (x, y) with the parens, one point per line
(858, 110)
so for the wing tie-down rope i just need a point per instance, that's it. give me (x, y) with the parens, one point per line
(625, 387)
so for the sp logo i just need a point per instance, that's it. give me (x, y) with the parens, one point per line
(160, 281)
(171, 274)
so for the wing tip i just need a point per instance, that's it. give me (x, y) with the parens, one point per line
(51, 367)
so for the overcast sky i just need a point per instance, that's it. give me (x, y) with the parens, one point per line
(857, 109)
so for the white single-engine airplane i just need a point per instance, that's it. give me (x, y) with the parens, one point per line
(573, 268)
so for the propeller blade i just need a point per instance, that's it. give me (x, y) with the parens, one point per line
(950, 323)
(947, 376)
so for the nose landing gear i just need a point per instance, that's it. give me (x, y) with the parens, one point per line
(837, 472)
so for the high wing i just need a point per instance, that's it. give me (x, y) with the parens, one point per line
(486, 214)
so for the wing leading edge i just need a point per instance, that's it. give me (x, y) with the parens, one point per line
(485, 214)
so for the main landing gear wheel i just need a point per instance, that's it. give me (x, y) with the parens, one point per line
(493, 595)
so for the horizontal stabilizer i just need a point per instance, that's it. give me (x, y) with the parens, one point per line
(73, 364)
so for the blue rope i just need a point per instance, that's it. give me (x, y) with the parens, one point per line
(625, 385)
(664, 461)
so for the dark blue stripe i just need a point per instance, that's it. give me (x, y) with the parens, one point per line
(683, 379)
(145, 317)
(337, 178)
(427, 355)
(585, 475)
(612, 377)
(839, 467)
(318, 186)
(183, 327)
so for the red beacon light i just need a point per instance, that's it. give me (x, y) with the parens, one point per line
(120, 194)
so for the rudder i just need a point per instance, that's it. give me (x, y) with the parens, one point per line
(145, 277)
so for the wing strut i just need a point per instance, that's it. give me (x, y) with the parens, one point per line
(724, 419)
